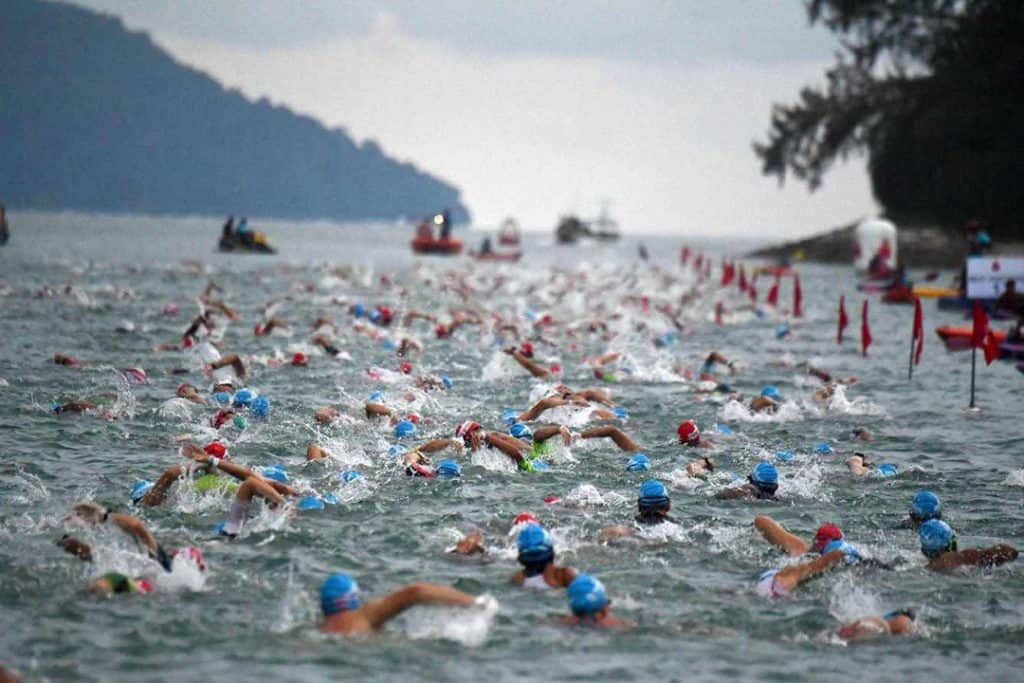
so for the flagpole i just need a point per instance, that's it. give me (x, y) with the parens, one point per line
(910, 360)
(974, 356)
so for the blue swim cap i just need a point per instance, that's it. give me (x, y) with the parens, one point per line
(851, 553)
(785, 456)
(586, 595)
(222, 397)
(446, 381)
(722, 429)
(140, 488)
(539, 465)
(509, 416)
(448, 469)
(781, 331)
(936, 537)
(350, 475)
(397, 449)
(359, 310)
(535, 544)
(331, 499)
(638, 463)
(275, 472)
(55, 407)
(887, 469)
(404, 428)
(926, 505)
(377, 396)
(621, 412)
(374, 315)
(764, 473)
(310, 503)
(243, 397)
(339, 593)
(771, 391)
(260, 407)
(653, 494)
(389, 344)
(823, 448)
(521, 431)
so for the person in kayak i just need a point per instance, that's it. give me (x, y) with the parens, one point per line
(939, 545)
(345, 612)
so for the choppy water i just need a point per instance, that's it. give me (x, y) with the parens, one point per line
(254, 617)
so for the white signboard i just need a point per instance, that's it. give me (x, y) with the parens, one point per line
(987, 275)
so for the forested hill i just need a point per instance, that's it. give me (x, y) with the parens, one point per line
(94, 117)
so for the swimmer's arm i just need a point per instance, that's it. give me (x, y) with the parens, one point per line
(226, 310)
(778, 536)
(374, 409)
(380, 610)
(135, 527)
(326, 414)
(79, 549)
(471, 544)
(315, 452)
(615, 434)
(595, 394)
(534, 411)
(506, 444)
(531, 366)
(436, 445)
(155, 496)
(613, 532)
(542, 434)
(743, 491)
(794, 575)
(988, 557)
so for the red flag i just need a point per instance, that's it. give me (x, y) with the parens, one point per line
(980, 327)
(991, 348)
(918, 330)
(698, 263)
(865, 329)
(684, 255)
(773, 294)
(798, 297)
(743, 279)
(752, 291)
(844, 320)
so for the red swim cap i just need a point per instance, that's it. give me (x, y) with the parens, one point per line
(144, 585)
(825, 535)
(526, 349)
(688, 432)
(466, 428)
(551, 499)
(192, 553)
(441, 330)
(414, 418)
(216, 449)
(299, 358)
(405, 366)
(525, 518)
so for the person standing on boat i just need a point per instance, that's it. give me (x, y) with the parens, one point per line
(446, 224)
(3, 225)
(229, 228)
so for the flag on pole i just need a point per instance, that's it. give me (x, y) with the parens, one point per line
(844, 320)
(918, 331)
(773, 294)
(865, 329)
(743, 279)
(798, 297)
(982, 336)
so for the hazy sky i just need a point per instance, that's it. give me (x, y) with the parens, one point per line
(535, 109)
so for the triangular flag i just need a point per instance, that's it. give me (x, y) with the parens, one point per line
(980, 325)
(844, 320)
(743, 279)
(865, 329)
(991, 348)
(773, 294)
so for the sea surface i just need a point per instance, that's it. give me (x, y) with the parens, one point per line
(95, 287)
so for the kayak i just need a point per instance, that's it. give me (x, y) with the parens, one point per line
(958, 338)
(927, 292)
(957, 303)
(234, 244)
(1011, 350)
(511, 256)
(445, 246)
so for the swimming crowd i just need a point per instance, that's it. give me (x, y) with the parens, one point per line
(554, 418)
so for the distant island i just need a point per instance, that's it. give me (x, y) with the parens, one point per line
(98, 118)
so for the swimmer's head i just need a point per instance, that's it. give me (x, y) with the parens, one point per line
(621, 412)
(535, 545)
(688, 433)
(936, 538)
(653, 497)
(525, 518)
(139, 489)
(358, 310)
(446, 381)
(465, 430)
(765, 477)
(521, 431)
(243, 397)
(926, 505)
(275, 472)
(340, 593)
(526, 348)
(638, 463)
(587, 596)
(405, 428)
(397, 449)
(222, 397)
(448, 469)
(782, 331)
(310, 503)
(299, 358)
(350, 475)
(771, 391)
(826, 534)
(216, 449)
(405, 367)
(441, 330)
(850, 553)
(260, 407)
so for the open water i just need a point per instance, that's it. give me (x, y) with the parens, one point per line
(254, 615)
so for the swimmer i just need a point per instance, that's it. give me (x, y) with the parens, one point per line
(777, 583)
(590, 605)
(345, 613)
(895, 623)
(190, 393)
(115, 582)
(689, 435)
(762, 483)
(768, 401)
(67, 361)
(653, 505)
(790, 543)
(700, 468)
(925, 506)
(523, 453)
(528, 363)
(268, 326)
(235, 362)
(90, 513)
(939, 545)
(707, 368)
(74, 407)
(537, 555)
(861, 434)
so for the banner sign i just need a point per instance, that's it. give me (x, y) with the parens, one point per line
(987, 275)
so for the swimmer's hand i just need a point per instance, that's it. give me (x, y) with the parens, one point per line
(487, 603)
(471, 544)
(77, 548)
